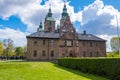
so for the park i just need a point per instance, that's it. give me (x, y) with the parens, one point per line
(59, 40)
(22, 70)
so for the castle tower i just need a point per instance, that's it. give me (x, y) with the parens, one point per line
(49, 24)
(63, 15)
(40, 28)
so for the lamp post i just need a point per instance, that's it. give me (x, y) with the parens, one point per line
(118, 35)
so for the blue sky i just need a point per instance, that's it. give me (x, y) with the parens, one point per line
(20, 18)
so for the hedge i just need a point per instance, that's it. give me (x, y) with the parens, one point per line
(107, 67)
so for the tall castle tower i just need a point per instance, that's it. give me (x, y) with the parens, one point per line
(63, 15)
(49, 24)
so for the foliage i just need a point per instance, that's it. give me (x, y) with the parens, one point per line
(113, 54)
(1, 48)
(40, 71)
(115, 44)
(108, 67)
(19, 51)
(9, 47)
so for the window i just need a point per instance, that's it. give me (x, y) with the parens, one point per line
(84, 54)
(50, 23)
(50, 29)
(71, 42)
(35, 53)
(43, 53)
(90, 54)
(90, 44)
(43, 42)
(84, 44)
(97, 54)
(51, 42)
(52, 54)
(96, 44)
(35, 41)
(64, 42)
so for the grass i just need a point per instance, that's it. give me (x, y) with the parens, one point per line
(10, 70)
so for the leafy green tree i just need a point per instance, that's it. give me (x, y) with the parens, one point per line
(115, 44)
(9, 47)
(19, 51)
(25, 49)
(1, 48)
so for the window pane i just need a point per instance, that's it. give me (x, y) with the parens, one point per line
(43, 53)
(43, 42)
(35, 53)
(52, 53)
(90, 44)
(35, 41)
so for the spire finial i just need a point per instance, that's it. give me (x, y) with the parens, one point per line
(50, 7)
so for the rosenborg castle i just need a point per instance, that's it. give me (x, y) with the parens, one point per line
(52, 43)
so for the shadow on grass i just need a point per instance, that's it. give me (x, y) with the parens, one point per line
(89, 76)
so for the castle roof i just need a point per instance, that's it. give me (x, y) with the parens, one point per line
(55, 35)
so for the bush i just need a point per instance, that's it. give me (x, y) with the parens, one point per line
(107, 67)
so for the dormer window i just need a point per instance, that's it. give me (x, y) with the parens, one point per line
(35, 41)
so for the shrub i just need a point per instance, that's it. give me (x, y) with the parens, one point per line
(107, 67)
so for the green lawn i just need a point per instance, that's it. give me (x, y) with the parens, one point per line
(10, 70)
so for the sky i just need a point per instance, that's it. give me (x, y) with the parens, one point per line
(19, 18)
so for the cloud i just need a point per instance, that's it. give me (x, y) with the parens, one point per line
(96, 18)
(100, 17)
(17, 36)
(31, 12)
(100, 20)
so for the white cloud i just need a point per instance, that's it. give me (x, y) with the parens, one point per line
(31, 12)
(17, 36)
(100, 19)
(96, 18)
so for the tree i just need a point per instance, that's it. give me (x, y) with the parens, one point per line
(115, 44)
(19, 51)
(1, 48)
(25, 49)
(9, 47)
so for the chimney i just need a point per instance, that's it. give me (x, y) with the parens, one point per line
(84, 32)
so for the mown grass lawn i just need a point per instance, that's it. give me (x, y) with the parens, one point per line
(10, 70)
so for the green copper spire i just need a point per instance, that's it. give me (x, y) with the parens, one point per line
(64, 13)
(40, 26)
(49, 13)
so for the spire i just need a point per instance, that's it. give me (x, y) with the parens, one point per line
(40, 27)
(50, 13)
(64, 13)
